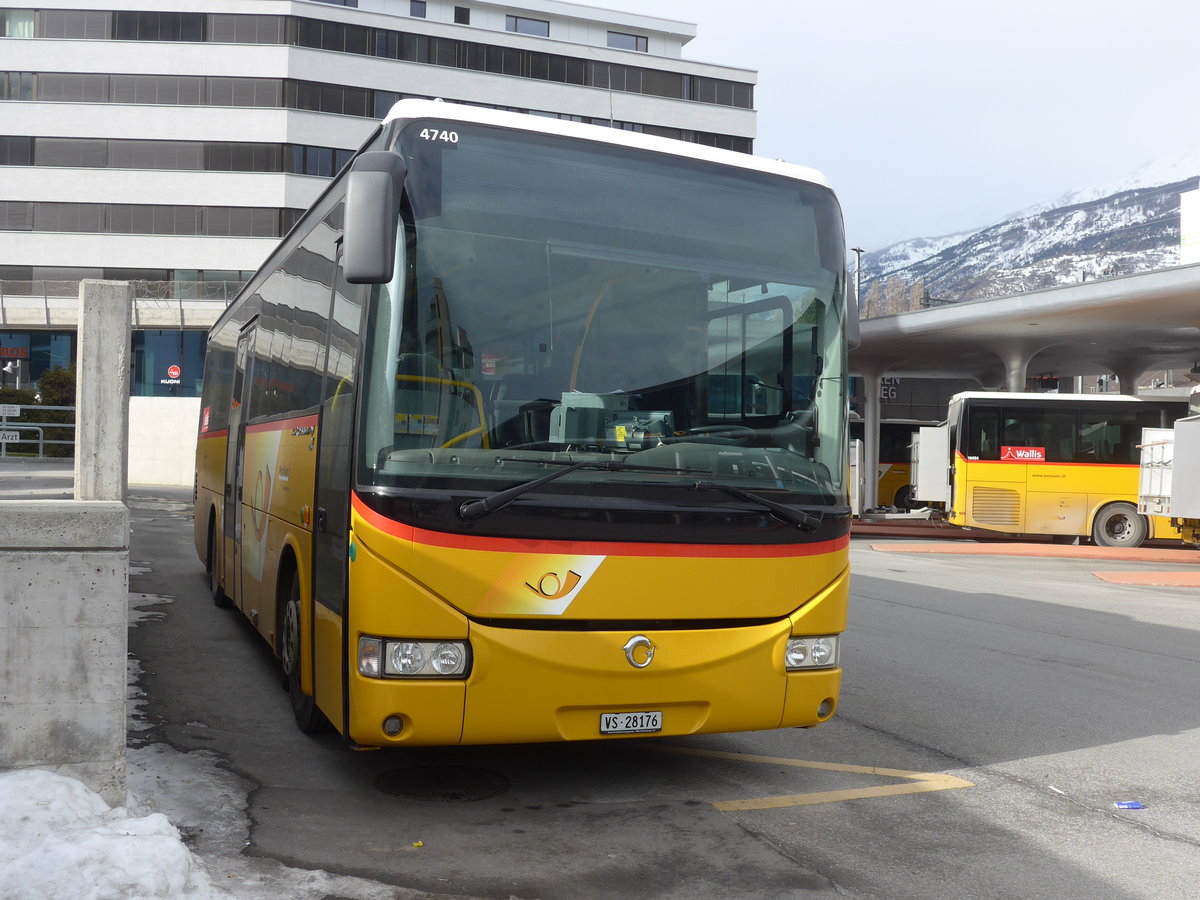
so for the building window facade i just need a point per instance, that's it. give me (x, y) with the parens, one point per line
(619, 40)
(137, 218)
(179, 156)
(17, 23)
(416, 8)
(364, 102)
(35, 352)
(526, 25)
(341, 38)
(167, 363)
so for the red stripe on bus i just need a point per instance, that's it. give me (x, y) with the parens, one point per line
(220, 432)
(1039, 462)
(592, 548)
(283, 424)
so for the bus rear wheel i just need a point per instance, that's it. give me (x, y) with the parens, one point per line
(309, 719)
(1119, 525)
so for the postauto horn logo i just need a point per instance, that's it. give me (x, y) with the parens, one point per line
(552, 587)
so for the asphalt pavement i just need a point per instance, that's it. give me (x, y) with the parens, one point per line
(994, 709)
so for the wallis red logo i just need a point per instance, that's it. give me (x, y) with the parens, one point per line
(1023, 454)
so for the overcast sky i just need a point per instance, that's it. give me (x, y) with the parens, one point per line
(933, 116)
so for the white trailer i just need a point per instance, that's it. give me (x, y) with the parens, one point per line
(1170, 472)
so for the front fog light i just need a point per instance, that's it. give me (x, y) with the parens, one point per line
(810, 653)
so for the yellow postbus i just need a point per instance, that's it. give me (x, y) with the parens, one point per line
(536, 431)
(1064, 465)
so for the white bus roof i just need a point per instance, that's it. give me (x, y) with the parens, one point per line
(438, 109)
(1057, 398)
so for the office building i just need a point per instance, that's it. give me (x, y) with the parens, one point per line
(174, 148)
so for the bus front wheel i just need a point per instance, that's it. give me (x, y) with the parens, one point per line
(219, 597)
(1119, 525)
(309, 719)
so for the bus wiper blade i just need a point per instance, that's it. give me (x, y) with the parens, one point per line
(474, 509)
(797, 517)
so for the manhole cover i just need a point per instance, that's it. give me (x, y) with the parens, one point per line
(457, 783)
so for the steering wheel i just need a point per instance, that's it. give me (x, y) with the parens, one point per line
(739, 435)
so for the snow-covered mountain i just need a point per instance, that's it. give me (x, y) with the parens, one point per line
(1119, 228)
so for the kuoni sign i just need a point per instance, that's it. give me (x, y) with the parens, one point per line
(1023, 454)
(173, 373)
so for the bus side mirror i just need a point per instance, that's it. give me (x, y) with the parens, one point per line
(373, 188)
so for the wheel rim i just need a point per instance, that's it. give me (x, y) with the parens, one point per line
(1119, 528)
(291, 638)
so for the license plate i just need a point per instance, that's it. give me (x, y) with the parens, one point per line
(630, 722)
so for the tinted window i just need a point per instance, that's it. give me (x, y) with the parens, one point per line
(16, 151)
(72, 23)
(621, 41)
(71, 152)
(78, 88)
(525, 25)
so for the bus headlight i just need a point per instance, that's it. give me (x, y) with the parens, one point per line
(810, 653)
(402, 658)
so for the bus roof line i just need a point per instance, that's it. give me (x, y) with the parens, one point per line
(438, 109)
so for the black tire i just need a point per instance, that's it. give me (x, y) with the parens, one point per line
(1119, 525)
(904, 497)
(309, 719)
(219, 597)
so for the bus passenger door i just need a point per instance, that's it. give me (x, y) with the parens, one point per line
(931, 460)
(235, 458)
(331, 525)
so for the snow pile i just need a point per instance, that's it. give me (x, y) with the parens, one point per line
(60, 839)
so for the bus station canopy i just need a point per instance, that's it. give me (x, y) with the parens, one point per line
(1125, 325)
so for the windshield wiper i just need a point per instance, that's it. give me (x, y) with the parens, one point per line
(474, 509)
(792, 516)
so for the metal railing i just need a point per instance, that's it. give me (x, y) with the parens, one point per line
(15, 428)
(223, 291)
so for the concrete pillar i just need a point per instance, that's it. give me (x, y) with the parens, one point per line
(871, 417)
(102, 390)
(1127, 379)
(64, 579)
(1016, 367)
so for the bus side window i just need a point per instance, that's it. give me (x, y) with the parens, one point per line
(982, 433)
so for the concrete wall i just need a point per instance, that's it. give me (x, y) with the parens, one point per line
(162, 439)
(64, 587)
(64, 579)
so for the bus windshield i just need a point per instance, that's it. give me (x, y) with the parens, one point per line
(557, 302)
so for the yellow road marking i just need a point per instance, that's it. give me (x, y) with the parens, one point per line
(916, 782)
